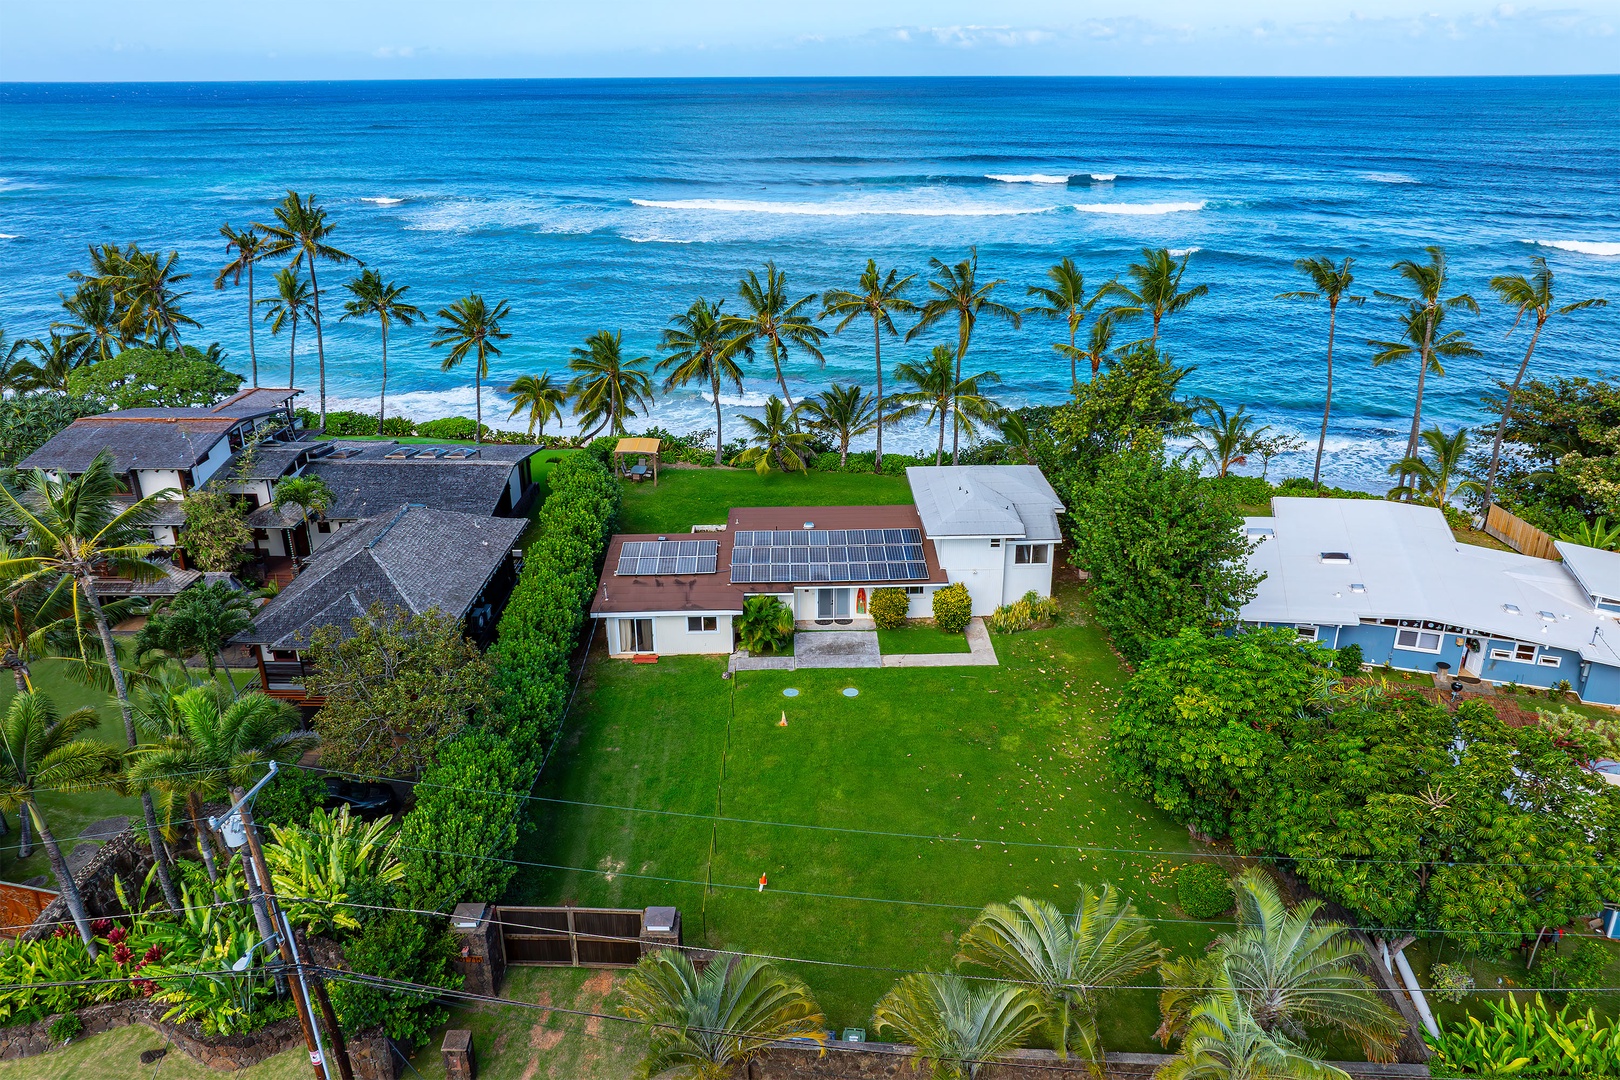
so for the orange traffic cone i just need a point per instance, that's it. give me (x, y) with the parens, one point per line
(762, 883)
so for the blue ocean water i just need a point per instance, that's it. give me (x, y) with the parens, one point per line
(612, 204)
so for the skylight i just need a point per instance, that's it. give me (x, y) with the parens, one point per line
(1512, 609)
(1357, 587)
(1335, 556)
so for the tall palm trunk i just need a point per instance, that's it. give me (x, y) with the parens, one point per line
(320, 337)
(939, 452)
(1507, 410)
(19, 669)
(382, 398)
(965, 334)
(478, 400)
(205, 845)
(25, 837)
(877, 354)
(292, 357)
(719, 435)
(1423, 374)
(781, 381)
(253, 351)
(1327, 401)
(64, 879)
(160, 852)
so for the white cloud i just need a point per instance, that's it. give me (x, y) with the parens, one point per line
(394, 52)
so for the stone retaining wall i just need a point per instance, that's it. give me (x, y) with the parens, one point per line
(120, 859)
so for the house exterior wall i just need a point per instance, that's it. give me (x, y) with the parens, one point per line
(152, 481)
(1600, 685)
(672, 638)
(1020, 578)
(208, 466)
(978, 566)
(1531, 673)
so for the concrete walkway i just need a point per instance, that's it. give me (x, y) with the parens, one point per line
(859, 649)
(980, 652)
(837, 649)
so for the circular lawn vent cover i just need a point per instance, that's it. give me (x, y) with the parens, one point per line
(850, 691)
(792, 691)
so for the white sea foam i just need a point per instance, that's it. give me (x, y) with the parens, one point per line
(1580, 247)
(1390, 178)
(1176, 253)
(1028, 178)
(9, 236)
(751, 206)
(1140, 209)
(1104, 177)
(382, 200)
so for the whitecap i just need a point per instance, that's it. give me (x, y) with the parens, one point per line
(1104, 177)
(382, 200)
(1028, 178)
(1390, 178)
(9, 236)
(1580, 247)
(1140, 209)
(1177, 253)
(750, 206)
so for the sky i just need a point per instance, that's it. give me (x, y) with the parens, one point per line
(198, 40)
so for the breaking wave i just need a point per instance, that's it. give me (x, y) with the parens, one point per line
(750, 206)
(1390, 178)
(1141, 209)
(381, 200)
(1580, 247)
(1028, 178)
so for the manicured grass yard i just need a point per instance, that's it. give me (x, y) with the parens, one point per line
(687, 497)
(118, 1054)
(979, 756)
(920, 638)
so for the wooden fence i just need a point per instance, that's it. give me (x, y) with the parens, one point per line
(1519, 534)
(20, 905)
(571, 937)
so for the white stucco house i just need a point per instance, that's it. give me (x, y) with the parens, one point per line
(992, 528)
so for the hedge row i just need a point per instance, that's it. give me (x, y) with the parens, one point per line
(469, 807)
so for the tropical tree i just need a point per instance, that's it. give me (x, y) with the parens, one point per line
(938, 394)
(1421, 322)
(846, 412)
(41, 751)
(1067, 961)
(94, 319)
(1434, 478)
(774, 321)
(765, 625)
(958, 1027)
(1286, 970)
(1158, 290)
(76, 534)
(11, 367)
(1331, 283)
(328, 860)
(247, 248)
(200, 621)
(1016, 435)
(143, 285)
(1531, 296)
(372, 297)
(543, 398)
(774, 442)
(55, 357)
(608, 387)
(290, 304)
(471, 328)
(881, 296)
(25, 621)
(1222, 1042)
(699, 350)
(1099, 343)
(308, 493)
(1226, 439)
(957, 294)
(704, 1026)
(1066, 299)
(301, 229)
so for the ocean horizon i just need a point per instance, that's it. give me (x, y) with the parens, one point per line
(612, 204)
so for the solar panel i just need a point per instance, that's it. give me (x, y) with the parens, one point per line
(815, 555)
(638, 557)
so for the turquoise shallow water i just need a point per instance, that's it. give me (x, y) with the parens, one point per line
(612, 204)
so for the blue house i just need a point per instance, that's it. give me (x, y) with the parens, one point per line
(1391, 578)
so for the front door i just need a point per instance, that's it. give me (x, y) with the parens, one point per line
(635, 636)
(832, 603)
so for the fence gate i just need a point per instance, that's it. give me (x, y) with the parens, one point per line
(570, 936)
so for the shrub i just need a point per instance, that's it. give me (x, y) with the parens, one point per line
(1203, 890)
(1301, 486)
(66, 1027)
(1581, 970)
(395, 426)
(765, 625)
(289, 799)
(1527, 1040)
(1348, 659)
(406, 948)
(889, 608)
(450, 427)
(1245, 490)
(1026, 613)
(143, 378)
(348, 422)
(1451, 982)
(29, 421)
(953, 607)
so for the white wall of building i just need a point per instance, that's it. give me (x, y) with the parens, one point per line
(152, 481)
(1020, 578)
(208, 466)
(672, 635)
(982, 568)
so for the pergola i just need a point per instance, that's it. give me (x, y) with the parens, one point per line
(637, 447)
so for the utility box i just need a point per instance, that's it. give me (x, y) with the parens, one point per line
(660, 929)
(481, 957)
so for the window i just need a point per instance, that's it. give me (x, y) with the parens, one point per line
(323, 526)
(914, 590)
(1306, 633)
(1030, 554)
(1418, 640)
(702, 624)
(635, 635)
(1550, 660)
(996, 542)
(1519, 654)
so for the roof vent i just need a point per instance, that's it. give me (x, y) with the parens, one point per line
(1335, 556)
(1357, 587)
(1546, 616)
(1512, 609)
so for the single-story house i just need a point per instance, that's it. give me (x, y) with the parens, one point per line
(992, 528)
(1391, 578)
(416, 558)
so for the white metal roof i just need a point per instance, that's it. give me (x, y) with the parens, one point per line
(1597, 571)
(1012, 501)
(1410, 566)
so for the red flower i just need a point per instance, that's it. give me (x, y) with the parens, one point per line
(117, 934)
(153, 955)
(101, 926)
(146, 987)
(122, 954)
(59, 933)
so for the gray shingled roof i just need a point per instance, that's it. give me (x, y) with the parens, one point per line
(370, 483)
(1012, 501)
(415, 558)
(136, 442)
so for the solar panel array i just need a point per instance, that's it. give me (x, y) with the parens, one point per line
(639, 557)
(791, 555)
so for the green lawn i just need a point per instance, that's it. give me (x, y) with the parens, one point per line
(118, 1054)
(920, 638)
(687, 497)
(986, 755)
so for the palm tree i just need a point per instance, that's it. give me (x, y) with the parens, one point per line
(958, 1027)
(957, 293)
(308, 493)
(290, 304)
(1434, 478)
(76, 534)
(1101, 340)
(1016, 435)
(1332, 283)
(1068, 961)
(42, 751)
(1223, 1042)
(698, 349)
(775, 442)
(608, 387)
(1527, 296)
(201, 620)
(55, 359)
(249, 247)
(11, 368)
(543, 398)
(882, 297)
(1288, 972)
(1158, 289)
(1226, 439)
(939, 394)
(143, 285)
(1421, 323)
(1066, 299)
(845, 411)
(775, 321)
(371, 296)
(95, 319)
(472, 327)
(301, 228)
(703, 1026)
